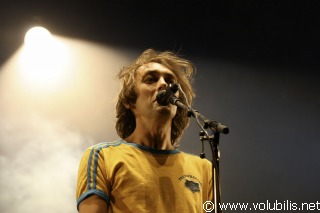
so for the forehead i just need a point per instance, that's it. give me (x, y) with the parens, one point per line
(154, 68)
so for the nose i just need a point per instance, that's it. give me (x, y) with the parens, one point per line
(162, 84)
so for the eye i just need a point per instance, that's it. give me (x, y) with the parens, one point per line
(170, 80)
(150, 79)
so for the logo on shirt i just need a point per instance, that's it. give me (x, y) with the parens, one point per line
(191, 182)
(193, 186)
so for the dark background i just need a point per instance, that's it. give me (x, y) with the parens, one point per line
(271, 32)
(258, 73)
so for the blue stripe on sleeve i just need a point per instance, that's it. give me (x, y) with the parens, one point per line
(96, 158)
(88, 170)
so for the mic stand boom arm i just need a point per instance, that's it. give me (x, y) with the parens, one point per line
(216, 129)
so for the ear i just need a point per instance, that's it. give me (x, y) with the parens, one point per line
(129, 106)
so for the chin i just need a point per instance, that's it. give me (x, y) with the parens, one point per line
(166, 110)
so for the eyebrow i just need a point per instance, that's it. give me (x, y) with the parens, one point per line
(157, 72)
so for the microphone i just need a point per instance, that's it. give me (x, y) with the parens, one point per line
(164, 96)
(167, 96)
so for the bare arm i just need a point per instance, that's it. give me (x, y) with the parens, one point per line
(93, 204)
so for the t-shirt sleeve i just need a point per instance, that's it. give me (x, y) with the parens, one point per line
(92, 176)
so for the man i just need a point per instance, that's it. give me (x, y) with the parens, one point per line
(144, 171)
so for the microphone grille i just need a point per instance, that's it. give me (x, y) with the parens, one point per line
(174, 87)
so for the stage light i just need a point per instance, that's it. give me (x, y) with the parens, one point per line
(37, 36)
(43, 62)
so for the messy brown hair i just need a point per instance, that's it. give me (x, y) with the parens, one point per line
(182, 68)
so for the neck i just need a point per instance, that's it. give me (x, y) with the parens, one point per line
(156, 135)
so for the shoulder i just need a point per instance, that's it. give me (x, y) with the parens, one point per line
(104, 145)
(100, 148)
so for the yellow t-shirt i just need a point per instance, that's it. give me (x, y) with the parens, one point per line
(135, 178)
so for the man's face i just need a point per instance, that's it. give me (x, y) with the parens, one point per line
(150, 79)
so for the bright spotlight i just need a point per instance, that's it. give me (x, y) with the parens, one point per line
(43, 60)
(37, 36)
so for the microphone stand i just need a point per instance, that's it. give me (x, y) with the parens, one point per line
(213, 139)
